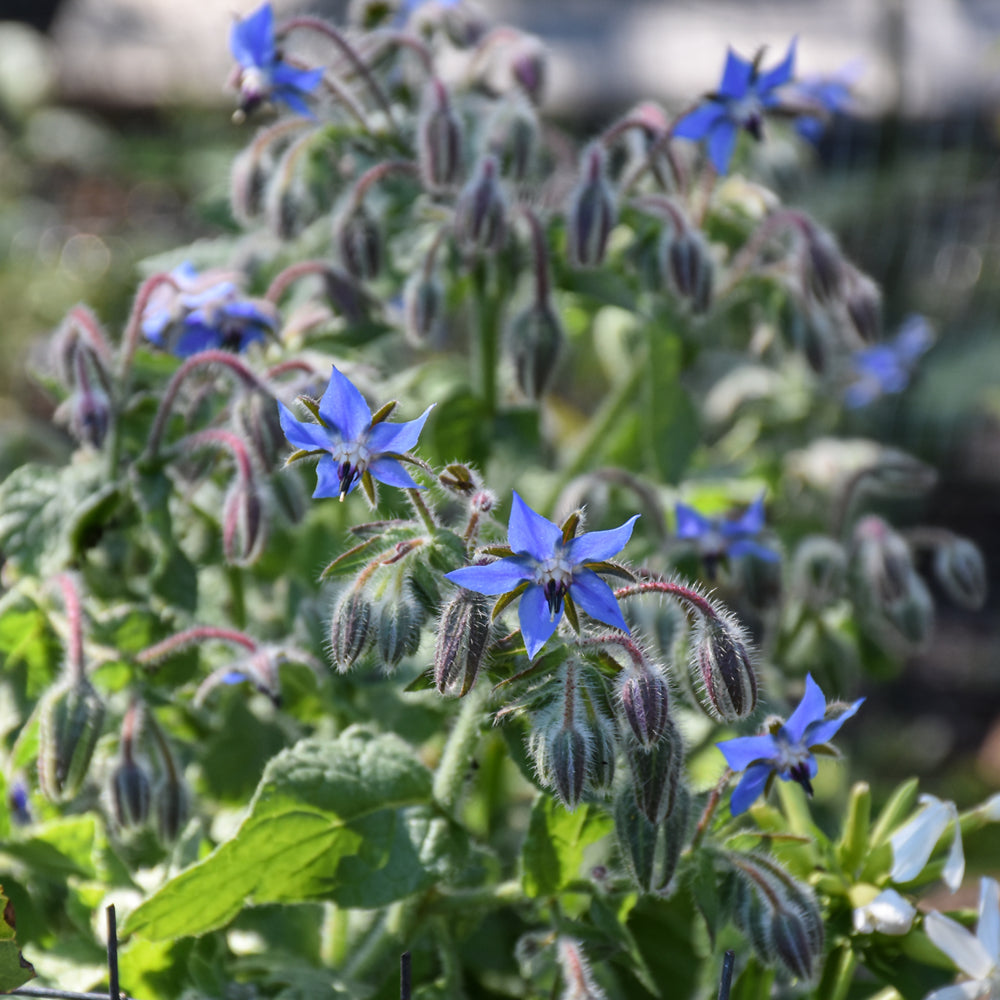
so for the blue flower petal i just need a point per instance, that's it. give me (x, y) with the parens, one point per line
(196, 337)
(397, 438)
(810, 710)
(305, 81)
(743, 751)
(498, 577)
(751, 785)
(824, 730)
(691, 524)
(735, 76)
(389, 471)
(914, 338)
(778, 76)
(748, 547)
(345, 408)
(251, 40)
(721, 143)
(328, 479)
(302, 434)
(596, 546)
(697, 123)
(596, 598)
(290, 96)
(750, 522)
(537, 623)
(531, 534)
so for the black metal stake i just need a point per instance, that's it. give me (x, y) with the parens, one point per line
(405, 974)
(113, 990)
(726, 983)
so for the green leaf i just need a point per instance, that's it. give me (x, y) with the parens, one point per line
(26, 637)
(307, 816)
(39, 508)
(665, 934)
(670, 420)
(14, 970)
(553, 849)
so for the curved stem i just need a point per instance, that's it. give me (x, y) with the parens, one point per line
(74, 617)
(180, 641)
(683, 592)
(540, 251)
(130, 339)
(286, 278)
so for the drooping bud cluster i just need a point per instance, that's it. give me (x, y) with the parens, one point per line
(481, 210)
(591, 213)
(780, 915)
(645, 700)
(819, 571)
(650, 850)
(463, 636)
(72, 715)
(359, 243)
(350, 628)
(960, 570)
(439, 139)
(534, 342)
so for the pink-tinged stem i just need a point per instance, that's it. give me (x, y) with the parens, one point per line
(375, 174)
(130, 341)
(196, 361)
(86, 322)
(219, 436)
(619, 639)
(285, 279)
(678, 590)
(74, 618)
(541, 254)
(182, 640)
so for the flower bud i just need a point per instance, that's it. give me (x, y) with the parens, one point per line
(247, 187)
(721, 661)
(529, 67)
(171, 810)
(398, 626)
(882, 563)
(822, 265)
(71, 718)
(959, 568)
(512, 137)
(650, 851)
(481, 209)
(645, 698)
(569, 760)
(819, 571)
(688, 267)
(350, 628)
(656, 772)
(288, 206)
(423, 305)
(358, 243)
(130, 794)
(257, 421)
(591, 213)
(534, 341)
(87, 413)
(244, 521)
(864, 306)
(439, 139)
(463, 635)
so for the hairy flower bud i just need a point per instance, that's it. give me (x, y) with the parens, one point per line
(721, 661)
(463, 636)
(171, 809)
(350, 628)
(819, 571)
(864, 306)
(961, 571)
(399, 622)
(481, 209)
(534, 342)
(569, 760)
(687, 265)
(822, 265)
(528, 67)
(258, 422)
(87, 413)
(439, 139)
(645, 699)
(576, 972)
(244, 521)
(649, 850)
(247, 187)
(512, 137)
(423, 304)
(359, 243)
(656, 772)
(591, 213)
(131, 794)
(72, 714)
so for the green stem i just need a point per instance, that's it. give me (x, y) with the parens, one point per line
(489, 897)
(420, 506)
(619, 403)
(237, 599)
(486, 310)
(837, 973)
(333, 937)
(449, 779)
(388, 937)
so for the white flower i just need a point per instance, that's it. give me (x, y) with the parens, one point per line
(913, 843)
(977, 955)
(887, 913)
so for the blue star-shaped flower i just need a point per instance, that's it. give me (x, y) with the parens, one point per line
(740, 102)
(887, 368)
(205, 311)
(549, 569)
(353, 446)
(718, 537)
(828, 95)
(788, 753)
(263, 74)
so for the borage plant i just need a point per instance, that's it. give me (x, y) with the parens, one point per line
(496, 751)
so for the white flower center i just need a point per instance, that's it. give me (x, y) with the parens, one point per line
(555, 575)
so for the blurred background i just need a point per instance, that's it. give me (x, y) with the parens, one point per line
(116, 139)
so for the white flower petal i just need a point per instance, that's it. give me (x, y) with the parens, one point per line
(954, 867)
(963, 948)
(988, 928)
(990, 809)
(961, 991)
(887, 913)
(914, 841)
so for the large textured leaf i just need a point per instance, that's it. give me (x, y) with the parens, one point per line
(553, 850)
(318, 804)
